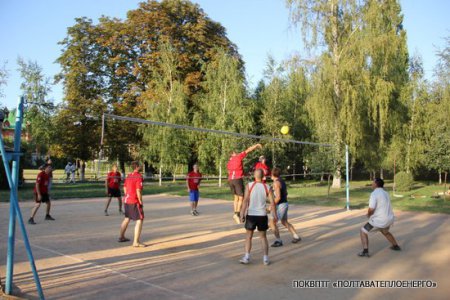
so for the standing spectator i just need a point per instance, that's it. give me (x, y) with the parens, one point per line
(112, 184)
(41, 194)
(193, 180)
(73, 169)
(68, 170)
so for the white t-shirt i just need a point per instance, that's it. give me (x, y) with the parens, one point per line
(383, 215)
(258, 197)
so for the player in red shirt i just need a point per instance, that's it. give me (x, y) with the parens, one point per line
(41, 194)
(235, 178)
(133, 205)
(112, 185)
(261, 164)
(193, 180)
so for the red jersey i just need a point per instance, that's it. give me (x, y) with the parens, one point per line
(264, 167)
(193, 179)
(133, 182)
(42, 180)
(235, 166)
(114, 179)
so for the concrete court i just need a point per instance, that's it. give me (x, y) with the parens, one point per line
(78, 256)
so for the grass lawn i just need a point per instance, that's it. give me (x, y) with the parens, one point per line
(308, 192)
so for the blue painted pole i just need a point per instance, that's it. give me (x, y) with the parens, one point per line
(12, 213)
(13, 180)
(347, 178)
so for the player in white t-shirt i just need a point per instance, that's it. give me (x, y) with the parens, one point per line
(254, 214)
(380, 215)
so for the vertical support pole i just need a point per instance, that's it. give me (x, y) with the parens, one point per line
(347, 178)
(12, 211)
(13, 180)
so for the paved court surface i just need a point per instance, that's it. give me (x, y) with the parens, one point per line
(189, 257)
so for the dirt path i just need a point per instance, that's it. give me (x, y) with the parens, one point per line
(197, 257)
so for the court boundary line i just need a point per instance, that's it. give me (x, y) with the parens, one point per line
(98, 266)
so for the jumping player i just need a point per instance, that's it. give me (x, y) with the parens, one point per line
(41, 194)
(281, 205)
(380, 215)
(235, 178)
(193, 180)
(112, 185)
(133, 205)
(255, 215)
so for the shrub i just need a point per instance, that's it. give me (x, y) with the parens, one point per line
(403, 181)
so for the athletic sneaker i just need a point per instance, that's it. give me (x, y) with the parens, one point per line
(266, 261)
(31, 221)
(106, 213)
(196, 212)
(49, 218)
(363, 254)
(295, 241)
(236, 219)
(277, 244)
(244, 260)
(396, 248)
(192, 213)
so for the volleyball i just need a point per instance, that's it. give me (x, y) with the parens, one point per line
(285, 129)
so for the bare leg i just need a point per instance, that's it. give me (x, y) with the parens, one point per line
(49, 205)
(107, 203)
(264, 242)
(390, 237)
(195, 205)
(364, 239)
(119, 199)
(137, 232)
(35, 209)
(248, 241)
(274, 228)
(123, 227)
(192, 205)
(290, 227)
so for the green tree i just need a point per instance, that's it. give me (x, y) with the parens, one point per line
(167, 103)
(224, 106)
(335, 26)
(437, 151)
(3, 79)
(36, 87)
(385, 74)
(78, 117)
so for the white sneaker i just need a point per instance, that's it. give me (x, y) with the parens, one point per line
(236, 218)
(244, 260)
(266, 261)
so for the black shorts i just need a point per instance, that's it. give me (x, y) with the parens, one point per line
(251, 222)
(237, 186)
(44, 198)
(134, 212)
(114, 192)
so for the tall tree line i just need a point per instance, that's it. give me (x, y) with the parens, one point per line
(355, 84)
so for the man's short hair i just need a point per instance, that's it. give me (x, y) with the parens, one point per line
(134, 165)
(276, 172)
(261, 158)
(259, 174)
(379, 182)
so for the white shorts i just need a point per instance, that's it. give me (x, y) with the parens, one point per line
(370, 228)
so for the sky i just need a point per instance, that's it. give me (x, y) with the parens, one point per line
(32, 29)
